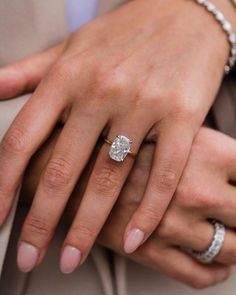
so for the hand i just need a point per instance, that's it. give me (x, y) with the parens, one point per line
(137, 68)
(202, 190)
(205, 192)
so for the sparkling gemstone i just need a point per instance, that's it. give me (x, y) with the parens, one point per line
(120, 148)
(210, 7)
(227, 69)
(233, 50)
(231, 61)
(219, 16)
(227, 26)
(201, 1)
(232, 38)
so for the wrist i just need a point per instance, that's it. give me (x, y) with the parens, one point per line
(228, 11)
(222, 15)
(227, 8)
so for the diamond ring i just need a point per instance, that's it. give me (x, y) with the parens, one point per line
(120, 148)
(215, 247)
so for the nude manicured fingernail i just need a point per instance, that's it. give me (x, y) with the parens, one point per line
(27, 257)
(133, 240)
(70, 259)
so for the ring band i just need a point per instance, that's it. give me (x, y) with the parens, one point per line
(120, 148)
(215, 247)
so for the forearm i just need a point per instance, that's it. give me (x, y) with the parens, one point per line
(228, 8)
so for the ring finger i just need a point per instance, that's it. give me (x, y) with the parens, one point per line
(199, 238)
(104, 187)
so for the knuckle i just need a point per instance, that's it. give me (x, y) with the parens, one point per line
(109, 83)
(63, 70)
(184, 195)
(167, 180)
(150, 215)
(195, 196)
(81, 231)
(106, 181)
(150, 252)
(200, 200)
(147, 100)
(185, 107)
(168, 228)
(14, 141)
(57, 174)
(36, 225)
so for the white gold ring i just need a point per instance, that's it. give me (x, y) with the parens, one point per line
(215, 247)
(120, 148)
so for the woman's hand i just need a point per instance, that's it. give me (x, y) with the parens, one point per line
(203, 192)
(137, 68)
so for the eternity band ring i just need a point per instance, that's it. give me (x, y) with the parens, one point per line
(215, 247)
(120, 148)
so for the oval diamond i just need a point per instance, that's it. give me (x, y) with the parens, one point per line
(120, 148)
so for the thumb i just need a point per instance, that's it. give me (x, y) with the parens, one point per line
(24, 76)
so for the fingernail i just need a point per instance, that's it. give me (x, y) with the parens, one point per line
(70, 259)
(133, 240)
(27, 257)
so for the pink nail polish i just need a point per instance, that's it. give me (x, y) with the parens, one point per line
(133, 240)
(70, 259)
(27, 257)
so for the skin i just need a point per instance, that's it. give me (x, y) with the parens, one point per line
(138, 68)
(204, 192)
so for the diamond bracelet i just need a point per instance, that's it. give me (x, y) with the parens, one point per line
(227, 27)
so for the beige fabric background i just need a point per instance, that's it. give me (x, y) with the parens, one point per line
(26, 27)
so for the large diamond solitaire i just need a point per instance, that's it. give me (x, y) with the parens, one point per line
(120, 148)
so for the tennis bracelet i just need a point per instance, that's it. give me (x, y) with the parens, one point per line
(227, 27)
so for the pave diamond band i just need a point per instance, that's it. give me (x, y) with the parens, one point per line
(215, 247)
(120, 148)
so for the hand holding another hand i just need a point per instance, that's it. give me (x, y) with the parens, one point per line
(138, 68)
(203, 193)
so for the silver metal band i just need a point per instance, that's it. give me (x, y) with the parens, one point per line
(215, 247)
(227, 27)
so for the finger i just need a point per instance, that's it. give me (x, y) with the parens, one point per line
(199, 237)
(29, 130)
(195, 274)
(104, 187)
(71, 153)
(223, 207)
(23, 76)
(171, 154)
(181, 266)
